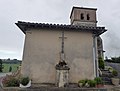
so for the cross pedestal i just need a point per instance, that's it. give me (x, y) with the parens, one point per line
(62, 73)
(62, 69)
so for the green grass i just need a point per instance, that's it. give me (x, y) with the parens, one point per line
(7, 66)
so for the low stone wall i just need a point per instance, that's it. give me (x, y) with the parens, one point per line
(55, 89)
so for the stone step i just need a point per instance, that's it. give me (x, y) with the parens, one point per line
(107, 83)
(106, 80)
(106, 73)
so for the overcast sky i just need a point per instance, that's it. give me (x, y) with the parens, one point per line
(54, 11)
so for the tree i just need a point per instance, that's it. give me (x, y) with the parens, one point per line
(1, 66)
(10, 69)
(113, 60)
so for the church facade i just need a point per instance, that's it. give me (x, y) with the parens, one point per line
(43, 44)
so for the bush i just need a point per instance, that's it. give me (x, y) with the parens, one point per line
(92, 83)
(82, 83)
(101, 63)
(87, 83)
(24, 80)
(13, 82)
(114, 73)
(110, 69)
(10, 82)
(98, 80)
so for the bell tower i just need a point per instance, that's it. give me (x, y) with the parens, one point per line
(83, 16)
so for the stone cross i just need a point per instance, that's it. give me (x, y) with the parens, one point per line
(62, 69)
(62, 53)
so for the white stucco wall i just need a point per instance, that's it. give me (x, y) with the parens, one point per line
(41, 54)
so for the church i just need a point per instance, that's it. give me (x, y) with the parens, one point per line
(53, 52)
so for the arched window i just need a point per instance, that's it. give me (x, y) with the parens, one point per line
(82, 16)
(88, 17)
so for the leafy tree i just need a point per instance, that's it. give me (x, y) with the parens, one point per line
(1, 66)
(10, 69)
(113, 60)
(116, 59)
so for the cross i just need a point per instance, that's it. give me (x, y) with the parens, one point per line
(62, 53)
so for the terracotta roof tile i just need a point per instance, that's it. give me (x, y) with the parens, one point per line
(25, 25)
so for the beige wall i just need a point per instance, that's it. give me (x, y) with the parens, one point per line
(41, 54)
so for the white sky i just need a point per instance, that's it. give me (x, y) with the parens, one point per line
(54, 11)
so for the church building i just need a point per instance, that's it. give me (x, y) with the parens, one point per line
(48, 47)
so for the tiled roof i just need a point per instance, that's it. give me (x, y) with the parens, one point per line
(25, 25)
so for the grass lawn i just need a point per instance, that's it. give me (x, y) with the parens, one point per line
(6, 68)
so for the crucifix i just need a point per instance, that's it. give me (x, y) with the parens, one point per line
(62, 69)
(62, 53)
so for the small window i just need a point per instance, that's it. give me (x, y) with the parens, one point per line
(88, 17)
(82, 16)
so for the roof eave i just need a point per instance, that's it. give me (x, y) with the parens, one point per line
(25, 25)
(21, 27)
(99, 32)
